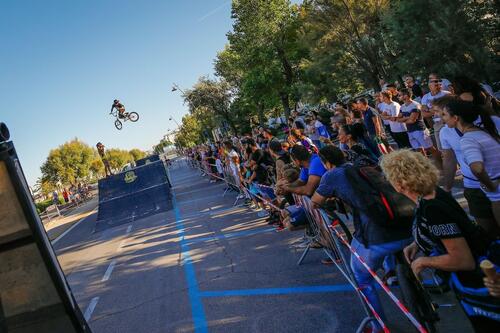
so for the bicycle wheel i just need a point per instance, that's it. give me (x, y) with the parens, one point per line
(133, 116)
(118, 124)
(415, 297)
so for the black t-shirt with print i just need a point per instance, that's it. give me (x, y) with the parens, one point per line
(443, 218)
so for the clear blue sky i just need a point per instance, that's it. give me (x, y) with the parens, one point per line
(63, 62)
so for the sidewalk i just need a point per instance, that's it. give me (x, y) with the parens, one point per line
(57, 227)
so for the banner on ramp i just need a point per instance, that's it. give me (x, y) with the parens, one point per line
(132, 195)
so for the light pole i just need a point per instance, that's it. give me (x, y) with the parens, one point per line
(175, 87)
(175, 121)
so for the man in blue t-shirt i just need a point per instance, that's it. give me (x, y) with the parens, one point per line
(370, 118)
(371, 241)
(311, 170)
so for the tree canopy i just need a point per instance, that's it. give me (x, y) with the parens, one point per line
(76, 161)
(279, 53)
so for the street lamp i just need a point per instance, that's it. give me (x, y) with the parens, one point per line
(175, 87)
(175, 121)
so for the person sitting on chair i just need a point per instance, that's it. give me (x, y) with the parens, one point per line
(119, 107)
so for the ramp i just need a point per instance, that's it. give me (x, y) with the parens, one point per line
(132, 195)
(147, 160)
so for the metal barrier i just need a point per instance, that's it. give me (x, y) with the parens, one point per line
(321, 224)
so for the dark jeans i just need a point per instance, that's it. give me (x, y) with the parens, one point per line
(401, 139)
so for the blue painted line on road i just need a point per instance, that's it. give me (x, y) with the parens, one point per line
(197, 311)
(278, 291)
(229, 235)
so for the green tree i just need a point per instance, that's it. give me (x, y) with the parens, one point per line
(190, 132)
(349, 35)
(117, 158)
(67, 164)
(210, 99)
(137, 154)
(158, 149)
(97, 167)
(457, 37)
(265, 44)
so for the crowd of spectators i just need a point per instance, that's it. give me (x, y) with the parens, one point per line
(428, 143)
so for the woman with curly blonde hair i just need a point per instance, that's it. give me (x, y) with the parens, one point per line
(441, 226)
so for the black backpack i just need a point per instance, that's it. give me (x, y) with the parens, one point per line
(379, 199)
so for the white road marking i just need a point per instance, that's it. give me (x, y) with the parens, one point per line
(73, 226)
(91, 308)
(109, 271)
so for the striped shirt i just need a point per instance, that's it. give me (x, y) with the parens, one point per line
(479, 146)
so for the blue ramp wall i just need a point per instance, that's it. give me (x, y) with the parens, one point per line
(149, 159)
(133, 195)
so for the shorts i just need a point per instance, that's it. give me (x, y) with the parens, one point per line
(297, 215)
(479, 204)
(420, 139)
(401, 139)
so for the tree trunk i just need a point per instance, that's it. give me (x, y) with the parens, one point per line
(288, 73)
(260, 110)
(285, 100)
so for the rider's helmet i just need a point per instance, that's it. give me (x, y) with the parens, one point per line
(116, 101)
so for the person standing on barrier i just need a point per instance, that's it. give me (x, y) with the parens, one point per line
(372, 241)
(442, 230)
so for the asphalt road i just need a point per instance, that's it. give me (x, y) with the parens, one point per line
(206, 266)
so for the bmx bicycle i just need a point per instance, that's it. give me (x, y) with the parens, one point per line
(120, 118)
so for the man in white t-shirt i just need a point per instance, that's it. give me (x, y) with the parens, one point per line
(380, 107)
(435, 92)
(411, 115)
(391, 113)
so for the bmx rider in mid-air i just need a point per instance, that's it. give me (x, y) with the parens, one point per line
(119, 107)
